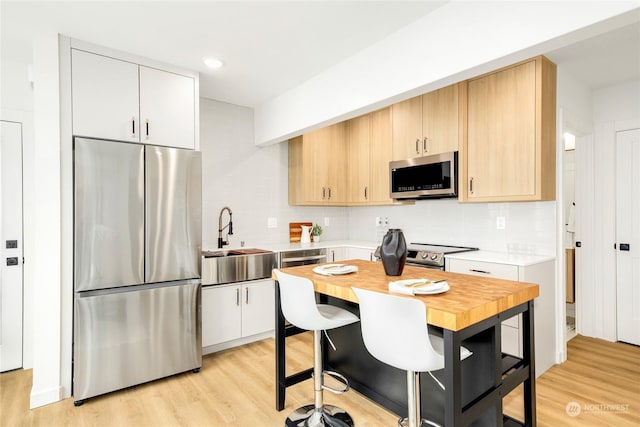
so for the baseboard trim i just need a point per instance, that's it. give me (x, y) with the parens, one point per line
(44, 397)
(235, 343)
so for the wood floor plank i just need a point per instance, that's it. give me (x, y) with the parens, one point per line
(236, 388)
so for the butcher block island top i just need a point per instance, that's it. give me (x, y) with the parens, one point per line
(469, 300)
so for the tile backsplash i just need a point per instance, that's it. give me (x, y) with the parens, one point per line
(529, 227)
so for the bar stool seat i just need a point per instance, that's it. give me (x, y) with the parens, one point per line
(394, 330)
(298, 302)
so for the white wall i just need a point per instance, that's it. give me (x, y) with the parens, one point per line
(448, 45)
(575, 101)
(252, 181)
(47, 295)
(613, 109)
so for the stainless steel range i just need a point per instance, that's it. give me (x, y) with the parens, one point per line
(430, 255)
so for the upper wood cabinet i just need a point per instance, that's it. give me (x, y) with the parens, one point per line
(430, 123)
(509, 150)
(318, 167)
(121, 100)
(370, 152)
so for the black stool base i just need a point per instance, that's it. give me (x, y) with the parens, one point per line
(329, 416)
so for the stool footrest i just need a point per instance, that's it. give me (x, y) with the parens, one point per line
(404, 422)
(339, 377)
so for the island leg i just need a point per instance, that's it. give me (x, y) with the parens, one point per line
(528, 347)
(281, 380)
(452, 378)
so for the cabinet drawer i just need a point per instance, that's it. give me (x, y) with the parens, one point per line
(483, 269)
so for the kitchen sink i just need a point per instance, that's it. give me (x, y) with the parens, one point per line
(237, 265)
(234, 252)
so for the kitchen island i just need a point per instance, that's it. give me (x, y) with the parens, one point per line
(469, 314)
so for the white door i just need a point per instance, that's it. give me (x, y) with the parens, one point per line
(585, 269)
(258, 314)
(11, 244)
(167, 108)
(105, 97)
(628, 235)
(221, 314)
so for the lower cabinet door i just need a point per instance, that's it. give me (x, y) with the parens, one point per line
(360, 253)
(511, 341)
(221, 314)
(258, 300)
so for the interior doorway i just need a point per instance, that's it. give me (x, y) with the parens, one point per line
(569, 210)
(11, 241)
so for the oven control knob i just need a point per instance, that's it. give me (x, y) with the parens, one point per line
(424, 255)
(434, 257)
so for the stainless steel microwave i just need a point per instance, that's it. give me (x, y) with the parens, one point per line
(425, 177)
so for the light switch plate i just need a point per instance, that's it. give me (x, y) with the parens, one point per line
(500, 223)
(326, 221)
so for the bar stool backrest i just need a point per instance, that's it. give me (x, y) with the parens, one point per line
(298, 302)
(394, 330)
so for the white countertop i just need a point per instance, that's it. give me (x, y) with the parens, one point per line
(521, 260)
(285, 247)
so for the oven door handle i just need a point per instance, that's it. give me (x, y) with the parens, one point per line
(304, 258)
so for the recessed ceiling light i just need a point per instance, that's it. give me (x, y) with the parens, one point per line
(212, 62)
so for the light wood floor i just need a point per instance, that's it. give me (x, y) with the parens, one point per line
(236, 388)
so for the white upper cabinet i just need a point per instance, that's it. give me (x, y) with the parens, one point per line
(125, 101)
(166, 108)
(104, 97)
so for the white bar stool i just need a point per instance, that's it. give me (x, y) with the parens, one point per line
(298, 302)
(394, 330)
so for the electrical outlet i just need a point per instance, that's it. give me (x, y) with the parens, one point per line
(378, 221)
(385, 222)
(272, 222)
(500, 223)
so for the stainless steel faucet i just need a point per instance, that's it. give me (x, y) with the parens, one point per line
(221, 242)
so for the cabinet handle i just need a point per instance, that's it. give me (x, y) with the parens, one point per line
(473, 270)
(424, 144)
(417, 146)
(365, 193)
(323, 193)
(237, 296)
(329, 198)
(333, 256)
(471, 185)
(133, 126)
(246, 295)
(147, 128)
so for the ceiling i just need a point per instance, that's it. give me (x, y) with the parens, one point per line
(269, 47)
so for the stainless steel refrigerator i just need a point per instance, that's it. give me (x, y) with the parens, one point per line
(137, 243)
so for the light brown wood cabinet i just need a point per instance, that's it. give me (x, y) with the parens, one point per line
(344, 164)
(430, 123)
(501, 123)
(370, 151)
(508, 153)
(318, 167)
